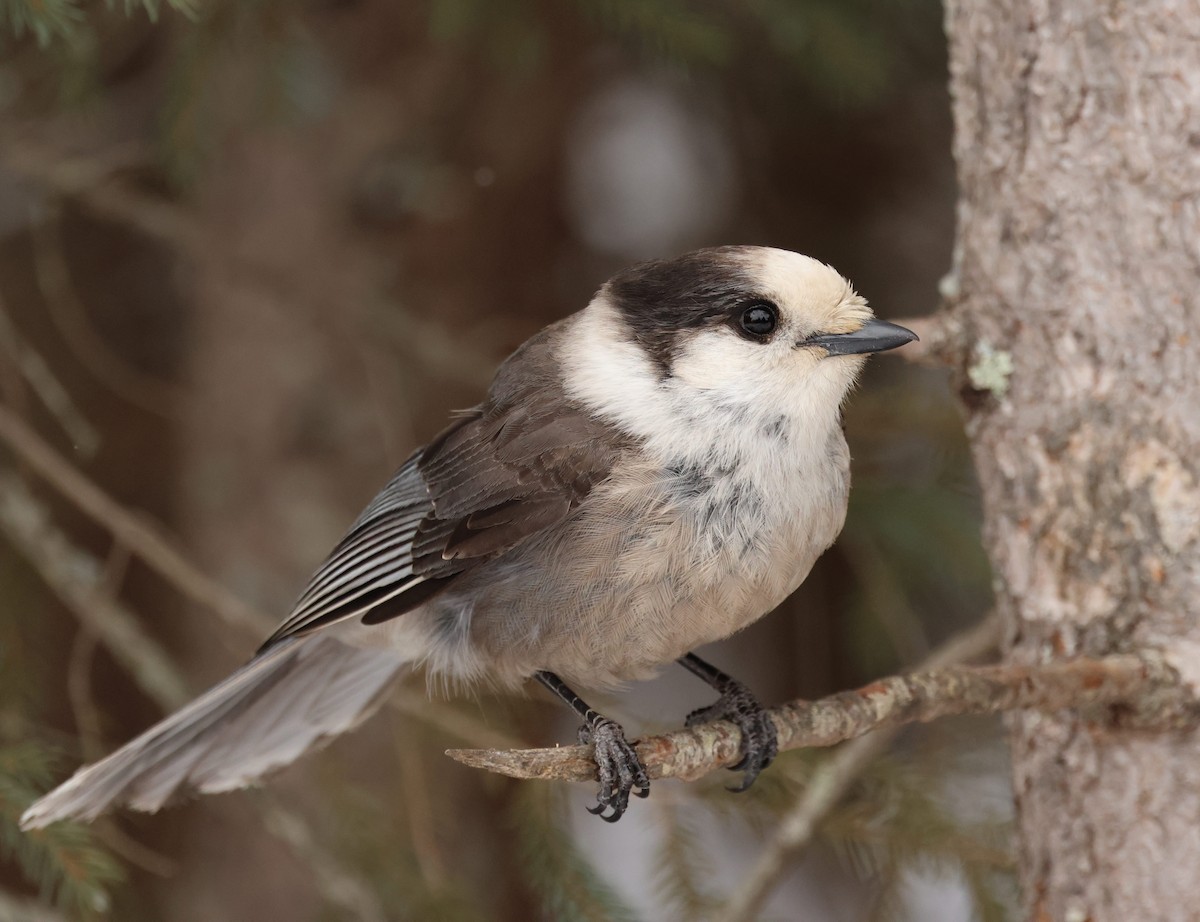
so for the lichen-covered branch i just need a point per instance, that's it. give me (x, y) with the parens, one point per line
(1132, 689)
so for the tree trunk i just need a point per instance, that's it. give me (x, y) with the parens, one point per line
(1077, 264)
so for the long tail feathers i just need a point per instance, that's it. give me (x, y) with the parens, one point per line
(278, 706)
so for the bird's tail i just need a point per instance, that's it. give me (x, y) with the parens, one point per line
(285, 701)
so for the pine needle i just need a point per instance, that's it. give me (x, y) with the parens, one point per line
(668, 30)
(569, 888)
(897, 824)
(64, 20)
(681, 867)
(45, 20)
(64, 860)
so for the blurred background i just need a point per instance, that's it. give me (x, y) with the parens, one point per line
(253, 253)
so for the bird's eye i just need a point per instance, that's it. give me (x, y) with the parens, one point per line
(758, 319)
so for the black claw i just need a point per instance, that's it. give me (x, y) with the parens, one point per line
(620, 771)
(618, 768)
(608, 818)
(599, 809)
(760, 744)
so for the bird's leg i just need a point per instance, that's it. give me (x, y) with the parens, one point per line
(621, 771)
(738, 705)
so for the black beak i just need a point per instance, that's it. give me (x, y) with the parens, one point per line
(875, 336)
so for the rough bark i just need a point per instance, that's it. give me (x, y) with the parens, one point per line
(1078, 256)
(1144, 686)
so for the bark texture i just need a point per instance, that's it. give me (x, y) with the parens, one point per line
(1077, 267)
(1146, 686)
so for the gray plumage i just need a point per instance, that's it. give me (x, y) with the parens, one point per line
(283, 703)
(644, 477)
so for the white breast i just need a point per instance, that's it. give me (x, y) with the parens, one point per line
(721, 519)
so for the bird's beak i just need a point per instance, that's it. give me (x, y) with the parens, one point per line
(874, 336)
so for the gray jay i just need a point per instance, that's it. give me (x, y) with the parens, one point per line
(646, 476)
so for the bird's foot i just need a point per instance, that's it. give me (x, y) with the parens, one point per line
(760, 744)
(621, 771)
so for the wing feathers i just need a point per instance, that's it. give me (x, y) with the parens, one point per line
(519, 463)
(499, 530)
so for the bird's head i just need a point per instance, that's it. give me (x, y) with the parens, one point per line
(751, 326)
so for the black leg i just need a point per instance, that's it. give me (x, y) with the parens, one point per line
(621, 771)
(738, 705)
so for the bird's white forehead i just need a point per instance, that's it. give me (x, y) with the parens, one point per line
(805, 284)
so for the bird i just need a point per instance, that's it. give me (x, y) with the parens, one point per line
(646, 476)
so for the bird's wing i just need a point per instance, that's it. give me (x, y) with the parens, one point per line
(372, 561)
(517, 464)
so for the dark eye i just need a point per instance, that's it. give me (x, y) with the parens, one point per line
(758, 319)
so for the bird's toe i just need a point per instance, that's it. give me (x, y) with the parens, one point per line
(618, 768)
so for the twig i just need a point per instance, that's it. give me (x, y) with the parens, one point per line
(140, 538)
(69, 314)
(831, 780)
(83, 650)
(126, 847)
(339, 886)
(942, 340)
(79, 693)
(1143, 681)
(92, 181)
(447, 718)
(54, 396)
(886, 597)
(422, 820)
(77, 579)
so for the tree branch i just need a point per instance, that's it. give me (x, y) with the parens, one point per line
(77, 579)
(65, 306)
(942, 340)
(143, 540)
(55, 398)
(1150, 692)
(95, 183)
(832, 778)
